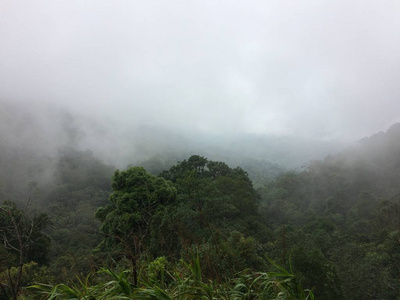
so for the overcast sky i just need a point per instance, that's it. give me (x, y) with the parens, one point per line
(328, 69)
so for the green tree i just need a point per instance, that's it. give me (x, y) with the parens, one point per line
(22, 241)
(128, 220)
(216, 204)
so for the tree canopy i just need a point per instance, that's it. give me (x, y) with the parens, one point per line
(128, 220)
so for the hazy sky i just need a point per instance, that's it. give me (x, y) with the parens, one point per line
(322, 68)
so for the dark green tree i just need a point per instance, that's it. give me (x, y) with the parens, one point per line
(22, 241)
(138, 198)
(217, 208)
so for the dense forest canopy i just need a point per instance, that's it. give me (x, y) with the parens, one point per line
(332, 226)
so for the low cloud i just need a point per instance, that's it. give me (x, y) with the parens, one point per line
(324, 70)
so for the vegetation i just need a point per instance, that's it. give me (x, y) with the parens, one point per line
(184, 281)
(200, 230)
(22, 239)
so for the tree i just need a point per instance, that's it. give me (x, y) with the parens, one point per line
(214, 200)
(128, 220)
(22, 241)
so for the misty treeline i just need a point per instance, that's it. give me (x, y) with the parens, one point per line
(72, 226)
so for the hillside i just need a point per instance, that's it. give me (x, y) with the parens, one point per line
(334, 223)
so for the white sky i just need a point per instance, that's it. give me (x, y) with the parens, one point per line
(328, 69)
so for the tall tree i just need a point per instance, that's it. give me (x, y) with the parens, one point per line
(128, 220)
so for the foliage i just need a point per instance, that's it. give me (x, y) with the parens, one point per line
(184, 282)
(22, 240)
(334, 226)
(128, 221)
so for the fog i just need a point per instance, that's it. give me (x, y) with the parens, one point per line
(131, 79)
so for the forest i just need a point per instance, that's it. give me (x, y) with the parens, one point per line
(200, 150)
(75, 227)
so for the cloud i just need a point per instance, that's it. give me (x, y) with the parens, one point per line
(323, 69)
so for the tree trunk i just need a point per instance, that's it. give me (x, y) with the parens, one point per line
(134, 270)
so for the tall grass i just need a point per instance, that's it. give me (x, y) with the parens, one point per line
(180, 283)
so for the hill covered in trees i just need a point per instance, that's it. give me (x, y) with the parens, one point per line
(332, 227)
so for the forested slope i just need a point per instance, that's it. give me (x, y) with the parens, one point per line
(338, 220)
(335, 224)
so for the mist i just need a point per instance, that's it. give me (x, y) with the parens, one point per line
(280, 82)
(268, 133)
